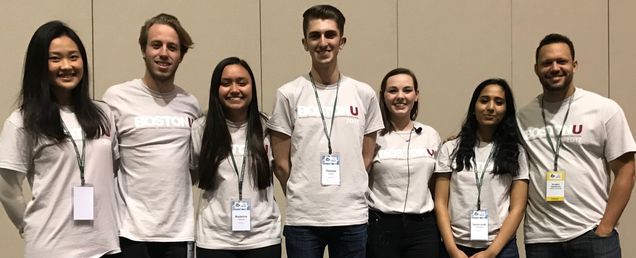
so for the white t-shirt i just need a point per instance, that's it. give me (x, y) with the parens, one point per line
(390, 177)
(495, 192)
(52, 172)
(595, 132)
(296, 114)
(214, 222)
(154, 185)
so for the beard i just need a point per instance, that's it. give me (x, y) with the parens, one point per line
(551, 87)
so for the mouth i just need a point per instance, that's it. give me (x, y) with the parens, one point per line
(163, 64)
(66, 76)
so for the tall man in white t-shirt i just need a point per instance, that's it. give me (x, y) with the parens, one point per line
(575, 139)
(153, 118)
(323, 135)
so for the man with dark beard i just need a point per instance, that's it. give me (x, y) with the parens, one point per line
(574, 138)
(153, 118)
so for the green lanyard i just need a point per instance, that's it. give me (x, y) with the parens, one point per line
(241, 176)
(479, 179)
(555, 150)
(333, 112)
(80, 159)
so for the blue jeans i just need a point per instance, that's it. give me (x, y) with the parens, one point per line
(510, 250)
(586, 245)
(310, 242)
(402, 235)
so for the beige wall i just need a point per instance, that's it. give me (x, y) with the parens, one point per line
(451, 46)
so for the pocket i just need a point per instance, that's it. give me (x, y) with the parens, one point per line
(593, 233)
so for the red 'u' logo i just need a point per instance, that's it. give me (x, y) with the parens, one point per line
(351, 109)
(576, 130)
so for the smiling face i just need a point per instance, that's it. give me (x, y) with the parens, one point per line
(400, 96)
(235, 92)
(162, 54)
(555, 67)
(323, 41)
(66, 67)
(490, 107)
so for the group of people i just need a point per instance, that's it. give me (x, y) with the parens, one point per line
(113, 178)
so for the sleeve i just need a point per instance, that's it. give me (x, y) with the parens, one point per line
(282, 119)
(444, 162)
(15, 147)
(374, 116)
(618, 138)
(524, 172)
(195, 142)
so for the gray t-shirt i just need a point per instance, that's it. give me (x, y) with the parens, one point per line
(390, 177)
(296, 114)
(214, 222)
(154, 185)
(52, 172)
(595, 132)
(495, 192)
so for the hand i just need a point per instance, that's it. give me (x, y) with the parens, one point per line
(484, 254)
(457, 253)
(602, 231)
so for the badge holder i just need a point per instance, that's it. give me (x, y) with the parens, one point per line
(555, 186)
(83, 202)
(479, 225)
(330, 169)
(241, 220)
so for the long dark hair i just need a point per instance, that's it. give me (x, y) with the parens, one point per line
(39, 108)
(216, 144)
(505, 137)
(386, 115)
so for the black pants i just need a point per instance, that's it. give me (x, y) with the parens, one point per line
(134, 249)
(272, 251)
(402, 235)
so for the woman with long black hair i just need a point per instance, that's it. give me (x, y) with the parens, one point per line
(231, 155)
(481, 185)
(65, 144)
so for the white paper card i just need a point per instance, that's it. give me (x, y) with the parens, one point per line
(330, 169)
(241, 215)
(479, 225)
(83, 202)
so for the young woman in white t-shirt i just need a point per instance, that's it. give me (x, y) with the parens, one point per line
(481, 183)
(237, 215)
(401, 218)
(65, 144)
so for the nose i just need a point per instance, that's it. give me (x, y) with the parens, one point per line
(554, 66)
(323, 40)
(163, 51)
(490, 106)
(65, 64)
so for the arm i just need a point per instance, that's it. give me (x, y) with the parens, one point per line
(442, 192)
(623, 168)
(518, 199)
(368, 149)
(281, 147)
(11, 196)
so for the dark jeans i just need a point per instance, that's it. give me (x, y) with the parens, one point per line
(310, 242)
(272, 251)
(402, 235)
(510, 250)
(134, 249)
(586, 245)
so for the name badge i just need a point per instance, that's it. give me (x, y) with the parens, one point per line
(555, 186)
(241, 215)
(479, 225)
(330, 169)
(83, 197)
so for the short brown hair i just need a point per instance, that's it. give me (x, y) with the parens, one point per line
(185, 42)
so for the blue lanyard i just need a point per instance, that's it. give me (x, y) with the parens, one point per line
(333, 112)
